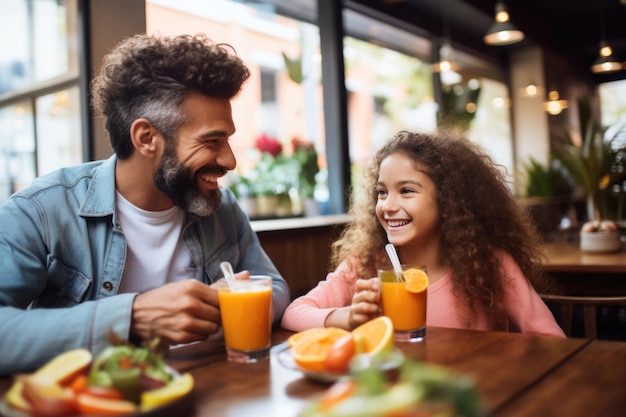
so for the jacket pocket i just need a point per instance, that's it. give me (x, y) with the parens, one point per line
(65, 286)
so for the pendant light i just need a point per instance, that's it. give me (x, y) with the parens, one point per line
(446, 62)
(554, 105)
(531, 90)
(605, 62)
(502, 31)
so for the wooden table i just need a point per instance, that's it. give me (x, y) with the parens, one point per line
(585, 273)
(517, 375)
(567, 257)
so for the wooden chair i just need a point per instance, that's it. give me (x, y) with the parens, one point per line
(588, 304)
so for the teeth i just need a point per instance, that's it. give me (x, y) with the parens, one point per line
(209, 179)
(397, 223)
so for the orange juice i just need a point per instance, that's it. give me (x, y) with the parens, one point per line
(247, 315)
(406, 310)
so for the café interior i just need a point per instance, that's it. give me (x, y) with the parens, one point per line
(334, 79)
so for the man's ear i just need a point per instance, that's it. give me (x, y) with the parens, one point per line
(144, 137)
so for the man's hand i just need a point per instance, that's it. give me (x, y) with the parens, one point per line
(179, 312)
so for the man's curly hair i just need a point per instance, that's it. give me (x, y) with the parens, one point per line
(149, 77)
(478, 218)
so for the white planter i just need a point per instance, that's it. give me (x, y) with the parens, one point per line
(266, 205)
(600, 241)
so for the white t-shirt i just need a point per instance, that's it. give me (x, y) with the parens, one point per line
(155, 251)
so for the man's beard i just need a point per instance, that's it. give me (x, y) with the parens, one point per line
(176, 181)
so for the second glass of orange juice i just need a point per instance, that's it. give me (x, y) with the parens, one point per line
(405, 302)
(246, 313)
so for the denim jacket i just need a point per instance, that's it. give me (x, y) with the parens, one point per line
(62, 255)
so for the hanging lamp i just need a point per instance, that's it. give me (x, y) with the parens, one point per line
(446, 62)
(554, 105)
(502, 31)
(446, 66)
(531, 90)
(606, 62)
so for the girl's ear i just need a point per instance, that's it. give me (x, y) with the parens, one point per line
(144, 137)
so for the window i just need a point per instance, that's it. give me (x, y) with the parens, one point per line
(17, 147)
(58, 112)
(40, 104)
(281, 104)
(389, 82)
(613, 102)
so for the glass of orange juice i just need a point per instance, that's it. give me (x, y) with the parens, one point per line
(404, 302)
(246, 311)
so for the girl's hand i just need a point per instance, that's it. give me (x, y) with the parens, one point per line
(366, 302)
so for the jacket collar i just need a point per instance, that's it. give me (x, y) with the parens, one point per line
(100, 198)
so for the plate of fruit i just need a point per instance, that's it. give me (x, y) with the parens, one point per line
(123, 380)
(416, 389)
(324, 354)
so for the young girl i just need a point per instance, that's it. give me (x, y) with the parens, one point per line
(443, 203)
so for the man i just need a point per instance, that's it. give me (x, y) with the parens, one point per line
(129, 244)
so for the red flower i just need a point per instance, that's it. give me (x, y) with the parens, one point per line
(269, 144)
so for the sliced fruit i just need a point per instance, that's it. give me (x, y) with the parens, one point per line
(309, 351)
(79, 383)
(177, 388)
(89, 404)
(104, 392)
(416, 280)
(47, 398)
(338, 392)
(65, 366)
(377, 335)
(60, 370)
(359, 343)
(14, 395)
(315, 334)
(339, 355)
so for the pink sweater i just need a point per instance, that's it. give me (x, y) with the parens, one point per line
(525, 308)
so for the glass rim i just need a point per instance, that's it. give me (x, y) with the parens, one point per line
(254, 280)
(404, 266)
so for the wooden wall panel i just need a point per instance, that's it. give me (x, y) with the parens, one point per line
(301, 255)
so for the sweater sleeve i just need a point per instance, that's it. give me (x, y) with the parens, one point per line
(312, 309)
(524, 306)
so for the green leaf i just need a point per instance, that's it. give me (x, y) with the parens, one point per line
(294, 68)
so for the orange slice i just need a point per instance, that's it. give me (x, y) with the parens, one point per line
(416, 280)
(376, 335)
(89, 404)
(310, 347)
(315, 333)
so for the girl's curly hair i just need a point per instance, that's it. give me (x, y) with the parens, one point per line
(150, 76)
(478, 218)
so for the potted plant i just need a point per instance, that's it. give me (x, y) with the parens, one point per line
(272, 179)
(548, 194)
(592, 166)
